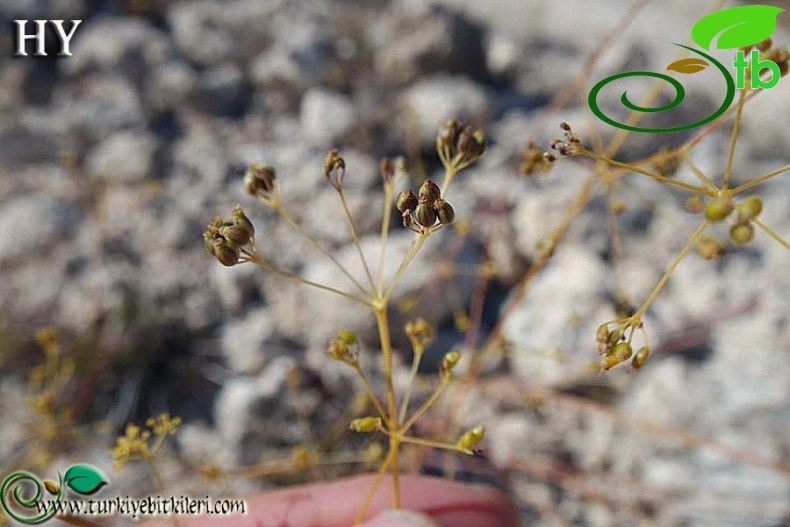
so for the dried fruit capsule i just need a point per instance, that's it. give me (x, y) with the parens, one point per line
(226, 253)
(425, 214)
(234, 234)
(260, 178)
(742, 233)
(448, 134)
(429, 191)
(444, 211)
(719, 208)
(406, 201)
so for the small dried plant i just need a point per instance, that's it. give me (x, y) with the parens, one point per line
(426, 212)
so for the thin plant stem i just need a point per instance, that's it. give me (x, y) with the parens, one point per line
(736, 127)
(637, 317)
(382, 322)
(443, 383)
(370, 393)
(385, 233)
(433, 444)
(415, 248)
(289, 219)
(355, 236)
(415, 365)
(653, 175)
(772, 233)
(758, 180)
(373, 488)
(258, 260)
(704, 179)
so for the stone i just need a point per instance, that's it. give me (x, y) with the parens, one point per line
(126, 156)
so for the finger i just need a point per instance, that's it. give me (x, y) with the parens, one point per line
(336, 504)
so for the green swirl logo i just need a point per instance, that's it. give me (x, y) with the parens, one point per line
(16, 495)
(738, 27)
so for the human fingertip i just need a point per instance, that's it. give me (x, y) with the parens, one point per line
(400, 518)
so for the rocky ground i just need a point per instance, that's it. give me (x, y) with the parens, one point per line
(114, 160)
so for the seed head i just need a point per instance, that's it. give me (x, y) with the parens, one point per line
(406, 201)
(259, 179)
(444, 211)
(425, 214)
(429, 191)
(719, 208)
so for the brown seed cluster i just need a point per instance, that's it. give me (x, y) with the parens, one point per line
(535, 160)
(460, 145)
(570, 146)
(426, 207)
(226, 238)
(259, 180)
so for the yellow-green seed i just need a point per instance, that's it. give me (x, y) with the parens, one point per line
(719, 208)
(366, 424)
(742, 233)
(450, 360)
(347, 337)
(640, 359)
(471, 438)
(750, 207)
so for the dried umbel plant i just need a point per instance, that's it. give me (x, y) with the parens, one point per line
(231, 241)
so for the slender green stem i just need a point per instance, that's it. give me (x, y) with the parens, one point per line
(648, 173)
(415, 248)
(433, 444)
(736, 127)
(415, 365)
(355, 236)
(370, 393)
(704, 179)
(443, 383)
(637, 317)
(382, 321)
(363, 510)
(289, 219)
(385, 232)
(258, 260)
(772, 233)
(758, 180)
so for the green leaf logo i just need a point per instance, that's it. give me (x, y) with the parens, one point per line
(84, 479)
(736, 27)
